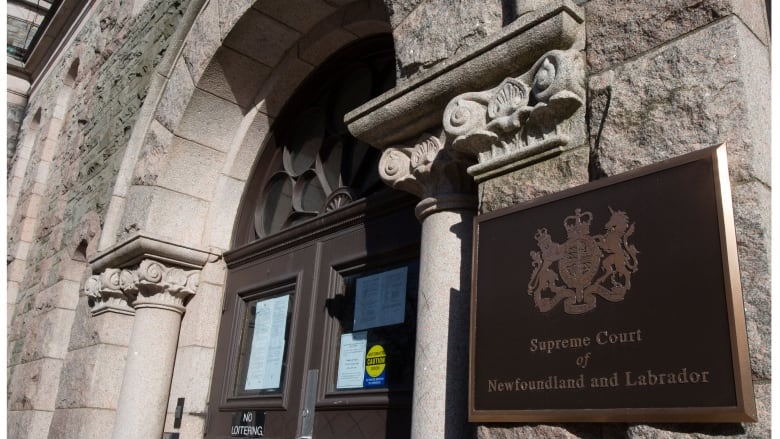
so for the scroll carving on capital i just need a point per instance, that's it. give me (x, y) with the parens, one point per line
(430, 171)
(151, 284)
(105, 292)
(529, 116)
(160, 286)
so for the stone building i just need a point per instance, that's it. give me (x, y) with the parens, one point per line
(193, 177)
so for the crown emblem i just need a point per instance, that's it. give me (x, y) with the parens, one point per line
(589, 266)
(578, 224)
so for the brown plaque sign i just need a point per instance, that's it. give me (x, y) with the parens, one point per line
(615, 301)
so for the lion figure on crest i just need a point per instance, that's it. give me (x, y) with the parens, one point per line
(588, 265)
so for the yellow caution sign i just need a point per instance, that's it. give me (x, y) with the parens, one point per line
(375, 366)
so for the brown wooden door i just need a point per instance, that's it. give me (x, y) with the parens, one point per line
(296, 304)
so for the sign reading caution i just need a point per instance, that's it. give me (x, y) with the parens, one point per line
(375, 367)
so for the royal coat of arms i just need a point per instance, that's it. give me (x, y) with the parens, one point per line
(588, 266)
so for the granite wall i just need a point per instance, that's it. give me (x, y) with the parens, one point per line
(72, 140)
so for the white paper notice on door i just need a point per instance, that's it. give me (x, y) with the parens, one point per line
(352, 359)
(268, 341)
(380, 299)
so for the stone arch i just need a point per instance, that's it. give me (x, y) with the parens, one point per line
(18, 163)
(63, 98)
(211, 122)
(366, 18)
(222, 96)
(72, 74)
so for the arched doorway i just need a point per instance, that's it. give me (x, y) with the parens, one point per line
(318, 326)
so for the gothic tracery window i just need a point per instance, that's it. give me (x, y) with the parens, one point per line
(316, 165)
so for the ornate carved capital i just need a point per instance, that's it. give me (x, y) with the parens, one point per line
(105, 292)
(151, 284)
(159, 286)
(523, 119)
(430, 171)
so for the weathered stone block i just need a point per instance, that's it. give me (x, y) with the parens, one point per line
(193, 425)
(192, 384)
(763, 428)
(201, 320)
(641, 431)
(47, 335)
(22, 250)
(33, 385)
(419, 44)
(28, 229)
(552, 175)
(752, 220)
(21, 319)
(760, 429)
(28, 424)
(366, 17)
(82, 423)
(300, 15)
(16, 270)
(230, 11)
(281, 83)
(12, 292)
(254, 137)
(619, 30)
(213, 273)
(222, 213)
(688, 95)
(204, 39)
(63, 294)
(209, 120)
(14, 351)
(109, 328)
(190, 169)
(555, 431)
(324, 39)
(234, 77)
(150, 162)
(261, 37)
(92, 377)
(70, 269)
(184, 223)
(31, 206)
(398, 10)
(174, 100)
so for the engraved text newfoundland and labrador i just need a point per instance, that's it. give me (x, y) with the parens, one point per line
(565, 327)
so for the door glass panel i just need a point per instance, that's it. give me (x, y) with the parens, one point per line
(376, 317)
(264, 342)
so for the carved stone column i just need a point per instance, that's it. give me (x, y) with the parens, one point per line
(523, 105)
(158, 294)
(151, 279)
(438, 177)
(522, 120)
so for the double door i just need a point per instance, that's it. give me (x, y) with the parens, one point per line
(318, 332)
